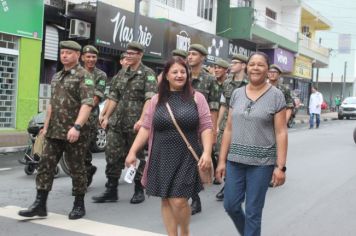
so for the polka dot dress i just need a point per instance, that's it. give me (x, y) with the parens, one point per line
(173, 171)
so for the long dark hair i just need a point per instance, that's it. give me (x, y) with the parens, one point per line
(163, 88)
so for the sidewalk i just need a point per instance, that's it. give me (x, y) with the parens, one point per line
(13, 141)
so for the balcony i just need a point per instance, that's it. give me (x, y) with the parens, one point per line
(314, 50)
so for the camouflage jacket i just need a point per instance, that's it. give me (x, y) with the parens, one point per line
(131, 89)
(208, 86)
(69, 91)
(229, 86)
(287, 95)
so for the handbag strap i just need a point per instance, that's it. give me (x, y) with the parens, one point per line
(181, 132)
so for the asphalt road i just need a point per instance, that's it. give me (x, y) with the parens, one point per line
(317, 199)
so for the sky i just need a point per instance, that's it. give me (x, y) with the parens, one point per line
(341, 13)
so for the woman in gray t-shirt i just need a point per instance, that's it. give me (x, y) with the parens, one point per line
(254, 146)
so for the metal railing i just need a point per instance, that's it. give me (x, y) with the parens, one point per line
(314, 46)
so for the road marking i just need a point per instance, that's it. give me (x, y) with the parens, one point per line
(3, 169)
(83, 226)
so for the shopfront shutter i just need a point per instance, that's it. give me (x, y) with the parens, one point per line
(51, 43)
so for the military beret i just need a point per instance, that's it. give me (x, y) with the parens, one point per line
(180, 53)
(276, 67)
(135, 46)
(222, 63)
(70, 45)
(90, 49)
(239, 57)
(198, 47)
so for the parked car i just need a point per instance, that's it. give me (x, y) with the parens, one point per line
(347, 108)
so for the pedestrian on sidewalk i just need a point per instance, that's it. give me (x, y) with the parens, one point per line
(65, 129)
(337, 102)
(316, 99)
(254, 146)
(171, 172)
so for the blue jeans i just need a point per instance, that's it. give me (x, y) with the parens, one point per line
(250, 182)
(311, 120)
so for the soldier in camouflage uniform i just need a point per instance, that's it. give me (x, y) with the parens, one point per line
(89, 58)
(208, 86)
(130, 95)
(236, 79)
(65, 129)
(221, 67)
(274, 75)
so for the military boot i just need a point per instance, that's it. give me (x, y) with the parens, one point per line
(139, 195)
(220, 195)
(196, 205)
(110, 194)
(38, 208)
(78, 210)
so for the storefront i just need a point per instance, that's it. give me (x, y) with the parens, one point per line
(21, 31)
(239, 46)
(114, 30)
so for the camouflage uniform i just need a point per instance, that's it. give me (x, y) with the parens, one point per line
(130, 89)
(69, 91)
(287, 95)
(100, 78)
(209, 87)
(229, 86)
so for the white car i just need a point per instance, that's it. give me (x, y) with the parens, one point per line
(347, 108)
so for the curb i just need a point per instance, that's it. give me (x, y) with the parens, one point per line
(306, 121)
(12, 149)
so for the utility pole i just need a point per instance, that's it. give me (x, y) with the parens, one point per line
(317, 70)
(136, 20)
(331, 88)
(344, 81)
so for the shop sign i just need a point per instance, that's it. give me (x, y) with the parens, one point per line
(303, 67)
(236, 47)
(182, 36)
(23, 18)
(114, 29)
(281, 57)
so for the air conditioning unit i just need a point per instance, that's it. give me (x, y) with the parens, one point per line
(79, 29)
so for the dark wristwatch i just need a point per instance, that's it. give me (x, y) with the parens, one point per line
(77, 127)
(283, 169)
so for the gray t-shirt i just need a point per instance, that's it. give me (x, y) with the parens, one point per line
(253, 140)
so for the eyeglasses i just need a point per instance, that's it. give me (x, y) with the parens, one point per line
(249, 107)
(131, 53)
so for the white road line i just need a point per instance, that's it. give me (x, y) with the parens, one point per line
(83, 226)
(3, 169)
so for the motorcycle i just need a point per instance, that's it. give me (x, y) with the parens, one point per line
(297, 105)
(32, 158)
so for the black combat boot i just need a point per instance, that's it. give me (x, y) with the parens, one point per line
(38, 208)
(139, 195)
(78, 210)
(110, 194)
(196, 204)
(90, 173)
(220, 195)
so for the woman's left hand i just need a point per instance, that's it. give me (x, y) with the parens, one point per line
(204, 161)
(278, 177)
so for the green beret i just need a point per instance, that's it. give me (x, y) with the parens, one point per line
(198, 47)
(239, 57)
(70, 45)
(135, 46)
(180, 53)
(222, 63)
(276, 67)
(90, 49)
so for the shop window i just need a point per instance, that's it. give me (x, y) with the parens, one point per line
(205, 9)
(179, 4)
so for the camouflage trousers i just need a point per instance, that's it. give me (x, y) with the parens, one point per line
(117, 147)
(52, 153)
(216, 148)
(91, 139)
